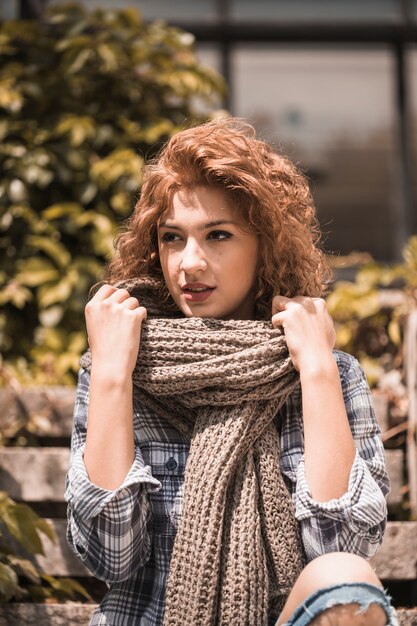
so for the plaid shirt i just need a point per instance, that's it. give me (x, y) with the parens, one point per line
(125, 537)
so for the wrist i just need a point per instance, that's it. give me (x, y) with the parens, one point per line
(110, 377)
(319, 366)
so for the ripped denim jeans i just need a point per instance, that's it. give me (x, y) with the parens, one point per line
(363, 594)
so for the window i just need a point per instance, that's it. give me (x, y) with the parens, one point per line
(320, 10)
(332, 111)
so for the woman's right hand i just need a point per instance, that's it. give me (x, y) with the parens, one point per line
(114, 320)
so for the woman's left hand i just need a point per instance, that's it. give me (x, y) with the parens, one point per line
(308, 329)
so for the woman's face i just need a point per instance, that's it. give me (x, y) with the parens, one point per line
(208, 255)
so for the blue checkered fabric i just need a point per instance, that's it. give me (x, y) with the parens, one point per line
(125, 537)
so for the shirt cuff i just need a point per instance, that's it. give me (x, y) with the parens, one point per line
(363, 502)
(88, 500)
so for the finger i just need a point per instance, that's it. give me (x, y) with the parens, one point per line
(278, 320)
(119, 295)
(104, 292)
(142, 313)
(279, 303)
(131, 303)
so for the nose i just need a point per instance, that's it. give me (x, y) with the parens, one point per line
(193, 258)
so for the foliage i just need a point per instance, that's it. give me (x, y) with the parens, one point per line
(84, 99)
(369, 313)
(19, 577)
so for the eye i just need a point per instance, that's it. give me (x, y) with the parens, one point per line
(219, 235)
(170, 237)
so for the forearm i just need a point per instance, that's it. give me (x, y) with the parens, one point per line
(109, 449)
(329, 445)
(115, 542)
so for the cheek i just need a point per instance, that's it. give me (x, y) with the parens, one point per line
(252, 257)
(168, 264)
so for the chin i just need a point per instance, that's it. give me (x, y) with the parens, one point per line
(199, 311)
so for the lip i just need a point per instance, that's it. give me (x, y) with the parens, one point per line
(197, 296)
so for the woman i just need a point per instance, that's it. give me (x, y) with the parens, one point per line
(227, 466)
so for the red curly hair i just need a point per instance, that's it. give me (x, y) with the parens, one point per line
(265, 187)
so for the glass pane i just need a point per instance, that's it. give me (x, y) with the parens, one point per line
(319, 10)
(179, 11)
(209, 54)
(332, 111)
(9, 9)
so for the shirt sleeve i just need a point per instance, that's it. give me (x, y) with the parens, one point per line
(356, 521)
(108, 530)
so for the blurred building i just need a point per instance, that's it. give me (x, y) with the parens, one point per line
(331, 82)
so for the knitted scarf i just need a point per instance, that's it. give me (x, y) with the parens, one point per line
(237, 551)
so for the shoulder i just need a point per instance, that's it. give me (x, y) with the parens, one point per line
(83, 376)
(83, 383)
(350, 370)
(346, 362)
(357, 395)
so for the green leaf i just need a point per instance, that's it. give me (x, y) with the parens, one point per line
(55, 293)
(394, 332)
(51, 316)
(15, 294)
(10, 97)
(131, 16)
(121, 202)
(8, 582)
(54, 249)
(67, 587)
(23, 567)
(79, 128)
(45, 527)
(373, 369)
(86, 95)
(344, 336)
(63, 209)
(25, 526)
(116, 165)
(108, 56)
(40, 593)
(34, 271)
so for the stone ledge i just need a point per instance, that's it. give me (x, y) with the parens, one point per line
(395, 461)
(407, 617)
(68, 614)
(77, 614)
(397, 557)
(50, 409)
(34, 474)
(38, 474)
(395, 560)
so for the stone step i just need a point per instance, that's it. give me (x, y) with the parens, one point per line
(34, 474)
(58, 560)
(51, 408)
(77, 614)
(397, 557)
(380, 403)
(395, 469)
(407, 617)
(68, 614)
(395, 560)
(38, 474)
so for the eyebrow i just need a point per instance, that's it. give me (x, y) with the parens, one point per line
(203, 227)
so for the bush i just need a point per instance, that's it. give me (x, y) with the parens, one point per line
(19, 576)
(84, 99)
(370, 313)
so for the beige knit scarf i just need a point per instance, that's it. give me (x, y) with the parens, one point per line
(237, 551)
